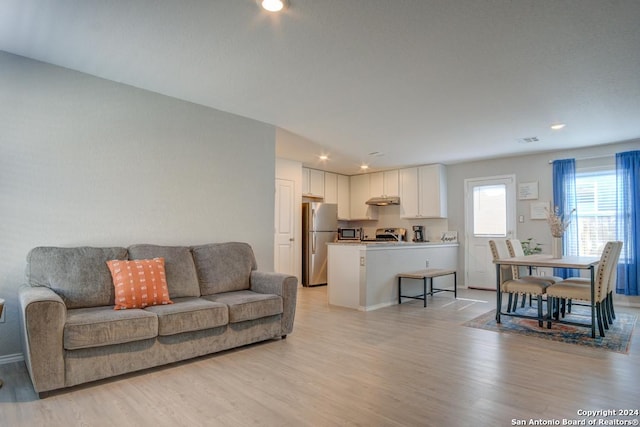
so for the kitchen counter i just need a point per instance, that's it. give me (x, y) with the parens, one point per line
(391, 244)
(363, 275)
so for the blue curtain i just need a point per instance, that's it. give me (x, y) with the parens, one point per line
(628, 220)
(564, 197)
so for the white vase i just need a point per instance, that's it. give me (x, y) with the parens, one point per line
(556, 247)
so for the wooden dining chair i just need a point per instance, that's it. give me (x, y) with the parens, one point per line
(514, 287)
(570, 290)
(515, 250)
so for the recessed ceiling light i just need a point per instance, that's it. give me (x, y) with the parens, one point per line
(273, 5)
(324, 157)
(364, 167)
(557, 126)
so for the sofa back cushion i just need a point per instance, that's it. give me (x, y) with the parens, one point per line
(79, 275)
(224, 267)
(182, 279)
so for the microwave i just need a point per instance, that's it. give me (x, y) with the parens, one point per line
(348, 234)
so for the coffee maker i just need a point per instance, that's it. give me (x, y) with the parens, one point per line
(418, 233)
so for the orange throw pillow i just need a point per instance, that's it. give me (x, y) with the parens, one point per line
(139, 283)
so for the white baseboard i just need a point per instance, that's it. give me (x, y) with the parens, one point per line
(11, 358)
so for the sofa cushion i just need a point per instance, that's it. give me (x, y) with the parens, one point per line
(139, 283)
(79, 275)
(224, 267)
(182, 278)
(100, 326)
(248, 305)
(189, 314)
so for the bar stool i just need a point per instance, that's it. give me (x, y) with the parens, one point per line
(427, 275)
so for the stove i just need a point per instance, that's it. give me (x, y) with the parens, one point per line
(392, 234)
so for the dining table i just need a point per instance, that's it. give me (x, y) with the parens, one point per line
(545, 260)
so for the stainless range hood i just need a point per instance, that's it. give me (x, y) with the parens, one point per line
(383, 201)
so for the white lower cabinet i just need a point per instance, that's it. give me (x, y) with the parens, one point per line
(364, 276)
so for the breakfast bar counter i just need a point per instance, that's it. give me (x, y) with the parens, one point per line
(363, 275)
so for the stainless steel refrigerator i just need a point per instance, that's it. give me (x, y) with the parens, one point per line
(319, 227)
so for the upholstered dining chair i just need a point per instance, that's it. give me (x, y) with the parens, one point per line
(607, 307)
(515, 250)
(570, 290)
(513, 287)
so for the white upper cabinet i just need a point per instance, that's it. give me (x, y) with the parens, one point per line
(360, 193)
(384, 183)
(409, 193)
(423, 192)
(312, 183)
(391, 183)
(305, 181)
(330, 187)
(433, 191)
(376, 184)
(344, 197)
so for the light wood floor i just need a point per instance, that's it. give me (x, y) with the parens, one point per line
(398, 366)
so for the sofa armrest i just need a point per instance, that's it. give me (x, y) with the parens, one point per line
(42, 317)
(279, 284)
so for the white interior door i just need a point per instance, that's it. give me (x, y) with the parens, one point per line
(284, 250)
(490, 213)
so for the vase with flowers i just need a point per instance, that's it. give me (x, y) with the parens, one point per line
(558, 224)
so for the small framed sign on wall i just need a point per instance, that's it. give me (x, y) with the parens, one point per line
(528, 190)
(538, 210)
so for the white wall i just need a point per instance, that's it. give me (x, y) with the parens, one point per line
(528, 168)
(85, 161)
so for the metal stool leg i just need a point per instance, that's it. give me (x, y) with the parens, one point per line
(424, 288)
(455, 285)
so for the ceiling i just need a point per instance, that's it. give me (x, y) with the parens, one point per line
(417, 81)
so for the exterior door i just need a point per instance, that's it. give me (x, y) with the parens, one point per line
(490, 213)
(284, 250)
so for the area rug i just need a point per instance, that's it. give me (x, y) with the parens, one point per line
(617, 337)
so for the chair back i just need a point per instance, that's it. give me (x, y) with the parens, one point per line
(608, 260)
(613, 275)
(515, 249)
(499, 250)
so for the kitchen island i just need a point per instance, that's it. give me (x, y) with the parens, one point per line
(362, 275)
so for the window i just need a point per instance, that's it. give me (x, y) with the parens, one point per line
(596, 211)
(489, 210)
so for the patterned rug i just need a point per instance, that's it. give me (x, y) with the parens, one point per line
(617, 337)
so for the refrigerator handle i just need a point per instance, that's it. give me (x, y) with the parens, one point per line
(313, 244)
(313, 218)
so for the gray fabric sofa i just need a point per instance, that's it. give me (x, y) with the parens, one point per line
(72, 334)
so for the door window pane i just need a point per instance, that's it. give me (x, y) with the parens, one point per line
(490, 210)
